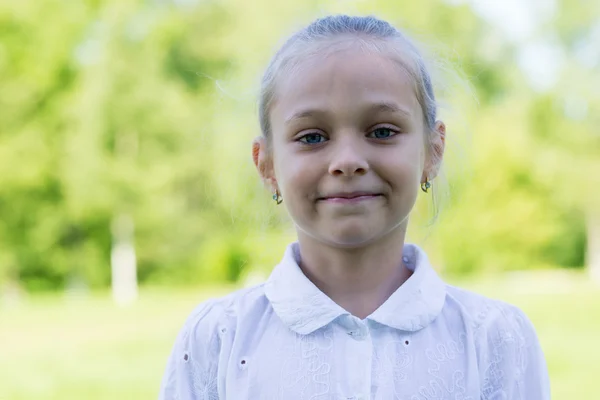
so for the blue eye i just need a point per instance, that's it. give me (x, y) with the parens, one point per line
(312, 138)
(382, 133)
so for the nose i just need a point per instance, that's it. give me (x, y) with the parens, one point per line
(348, 159)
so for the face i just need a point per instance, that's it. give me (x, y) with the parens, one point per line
(348, 149)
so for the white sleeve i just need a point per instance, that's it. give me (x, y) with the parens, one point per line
(191, 372)
(511, 360)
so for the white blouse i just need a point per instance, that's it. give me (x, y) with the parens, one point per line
(285, 339)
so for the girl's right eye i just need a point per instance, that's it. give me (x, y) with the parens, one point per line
(312, 138)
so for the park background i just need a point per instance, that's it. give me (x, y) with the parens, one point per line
(128, 195)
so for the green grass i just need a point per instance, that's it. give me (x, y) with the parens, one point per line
(85, 348)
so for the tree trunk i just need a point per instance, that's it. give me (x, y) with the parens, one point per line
(123, 261)
(593, 245)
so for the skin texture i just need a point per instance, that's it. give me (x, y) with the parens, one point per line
(347, 123)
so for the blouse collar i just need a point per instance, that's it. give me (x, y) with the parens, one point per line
(304, 308)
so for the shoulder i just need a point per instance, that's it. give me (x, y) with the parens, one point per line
(210, 327)
(493, 322)
(484, 313)
(202, 342)
(217, 314)
(509, 356)
(222, 314)
(500, 330)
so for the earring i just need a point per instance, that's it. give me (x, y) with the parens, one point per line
(277, 197)
(425, 185)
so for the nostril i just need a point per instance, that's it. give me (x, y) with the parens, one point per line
(348, 171)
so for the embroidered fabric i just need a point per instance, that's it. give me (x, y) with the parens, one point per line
(468, 347)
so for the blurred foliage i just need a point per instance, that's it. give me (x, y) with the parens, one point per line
(147, 108)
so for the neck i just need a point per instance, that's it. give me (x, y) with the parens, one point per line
(359, 279)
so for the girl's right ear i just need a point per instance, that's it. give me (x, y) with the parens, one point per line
(264, 162)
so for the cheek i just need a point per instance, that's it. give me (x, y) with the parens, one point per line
(407, 164)
(295, 176)
(281, 168)
(299, 179)
(419, 157)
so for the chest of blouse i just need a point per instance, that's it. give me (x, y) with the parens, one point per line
(353, 359)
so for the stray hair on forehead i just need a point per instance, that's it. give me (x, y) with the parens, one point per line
(324, 34)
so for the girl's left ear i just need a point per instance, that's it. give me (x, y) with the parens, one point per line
(436, 151)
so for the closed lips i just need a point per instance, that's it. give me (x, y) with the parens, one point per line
(351, 195)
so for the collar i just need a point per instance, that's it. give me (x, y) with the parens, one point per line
(304, 308)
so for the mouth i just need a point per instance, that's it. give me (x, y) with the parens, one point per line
(350, 197)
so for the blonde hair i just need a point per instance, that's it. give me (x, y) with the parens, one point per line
(336, 26)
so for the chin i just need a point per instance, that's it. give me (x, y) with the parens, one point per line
(349, 244)
(349, 234)
(352, 237)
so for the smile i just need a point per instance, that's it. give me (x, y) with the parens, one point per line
(350, 198)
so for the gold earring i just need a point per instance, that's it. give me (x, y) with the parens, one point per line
(277, 197)
(425, 185)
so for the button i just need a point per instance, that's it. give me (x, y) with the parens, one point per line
(355, 328)
(358, 335)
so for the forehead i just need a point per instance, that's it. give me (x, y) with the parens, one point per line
(345, 78)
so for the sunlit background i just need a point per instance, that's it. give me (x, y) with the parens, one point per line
(128, 195)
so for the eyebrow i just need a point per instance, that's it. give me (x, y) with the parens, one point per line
(384, 107)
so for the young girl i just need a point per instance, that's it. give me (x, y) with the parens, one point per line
(349, 136)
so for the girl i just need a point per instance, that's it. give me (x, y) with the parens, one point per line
(349, 135)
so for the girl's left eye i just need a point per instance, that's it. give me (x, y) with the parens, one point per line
(382, 133)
